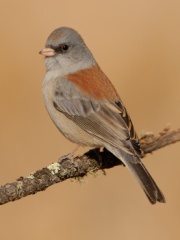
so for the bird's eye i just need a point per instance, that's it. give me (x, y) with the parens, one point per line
(64, 47)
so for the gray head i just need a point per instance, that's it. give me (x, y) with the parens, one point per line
(66, 52)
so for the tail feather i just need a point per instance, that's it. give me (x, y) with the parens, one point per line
(149, 186)
(136, 167)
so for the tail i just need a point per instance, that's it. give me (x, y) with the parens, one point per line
(142, 175)
(138, 170)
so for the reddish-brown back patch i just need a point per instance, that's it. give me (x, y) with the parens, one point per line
(94, 83)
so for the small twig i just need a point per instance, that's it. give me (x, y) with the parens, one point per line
(67, 167)
(151, 143)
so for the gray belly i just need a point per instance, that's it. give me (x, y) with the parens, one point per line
(66, 126)
(69, 129)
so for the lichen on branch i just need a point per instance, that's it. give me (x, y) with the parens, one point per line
(75, 167)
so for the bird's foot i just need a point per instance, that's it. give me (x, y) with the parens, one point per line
(69, 156)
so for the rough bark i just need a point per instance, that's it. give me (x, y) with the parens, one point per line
(76, 167)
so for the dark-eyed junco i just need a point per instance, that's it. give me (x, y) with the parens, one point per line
(86, 108)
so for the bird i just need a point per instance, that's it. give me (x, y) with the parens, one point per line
(86, 108)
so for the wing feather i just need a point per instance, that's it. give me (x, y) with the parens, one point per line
(103, 119)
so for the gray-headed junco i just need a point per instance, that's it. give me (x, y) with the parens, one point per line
(86, 108)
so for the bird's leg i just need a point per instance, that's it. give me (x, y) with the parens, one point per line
(74, 150)
(69, 155)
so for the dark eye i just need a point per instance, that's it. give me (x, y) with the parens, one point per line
(64, 47)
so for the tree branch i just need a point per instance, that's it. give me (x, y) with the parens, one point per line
(76, 167)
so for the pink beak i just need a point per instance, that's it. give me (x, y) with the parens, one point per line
(47, 52)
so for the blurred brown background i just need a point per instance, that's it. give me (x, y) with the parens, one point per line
(137, 45)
